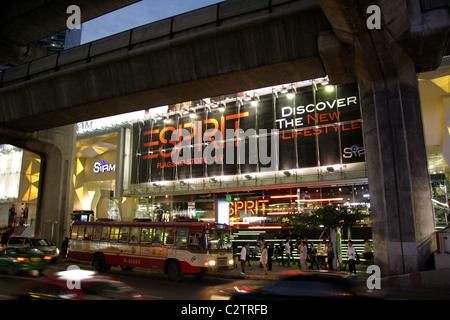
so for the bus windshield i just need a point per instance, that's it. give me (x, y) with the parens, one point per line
(217, 240)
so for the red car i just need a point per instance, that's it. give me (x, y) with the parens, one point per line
(78, 285)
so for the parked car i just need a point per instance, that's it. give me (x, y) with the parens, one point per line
(44, 245)
(14, 259)
(297, 285)
(78, 285)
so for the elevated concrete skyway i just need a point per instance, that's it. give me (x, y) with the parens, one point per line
(23, 22)
(224, 48)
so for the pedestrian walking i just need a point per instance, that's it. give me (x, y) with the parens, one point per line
(65, 247)
(303, 253)
(279, 250)
(368, 251)
(287, 248)
(330, 256)
(242, 257)
(269, 256)
(247, 248)
(351, 254)
(313, 257)
(263, 258)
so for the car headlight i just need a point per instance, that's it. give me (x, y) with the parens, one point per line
(57, 251)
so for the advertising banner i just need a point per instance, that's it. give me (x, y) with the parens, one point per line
(312, 127)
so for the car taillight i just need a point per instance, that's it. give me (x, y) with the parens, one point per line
(22, 259)
(47, 258)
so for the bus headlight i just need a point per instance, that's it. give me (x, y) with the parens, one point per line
(231, 262)
(212, 263)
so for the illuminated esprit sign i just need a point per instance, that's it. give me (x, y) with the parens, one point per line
(249, 207)
(103, 166)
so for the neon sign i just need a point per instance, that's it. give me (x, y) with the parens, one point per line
(103, 166)
(253, 207)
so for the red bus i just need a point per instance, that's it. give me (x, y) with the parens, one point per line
(175, 248)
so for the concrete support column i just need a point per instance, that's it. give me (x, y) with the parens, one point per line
(56, 199)
(402, 213)
(57, 150)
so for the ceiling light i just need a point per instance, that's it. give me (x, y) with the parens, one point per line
(329, 88)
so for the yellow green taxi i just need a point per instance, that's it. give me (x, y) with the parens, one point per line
(15, 259)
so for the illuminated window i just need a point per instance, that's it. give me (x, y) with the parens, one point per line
(105, 233)
(114, 235)
(146, 235)
(134, 234)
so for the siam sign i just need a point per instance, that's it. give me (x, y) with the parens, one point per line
(309, 128)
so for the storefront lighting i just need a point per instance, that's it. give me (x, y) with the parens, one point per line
(265, 227)
(254, 102)
(280, 213)
(283, 196)
(329, 88)
(156, 184)
(320, 200)
(192, 113)
(305, 200)
(166, 119)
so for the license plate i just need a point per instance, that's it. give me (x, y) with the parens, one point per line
(35, 259)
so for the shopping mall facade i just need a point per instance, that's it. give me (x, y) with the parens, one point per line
(270, 153)
(292, 147)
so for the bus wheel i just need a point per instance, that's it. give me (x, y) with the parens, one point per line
(174, 271)
(100, 264)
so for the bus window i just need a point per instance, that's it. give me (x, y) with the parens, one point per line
(134, 234)
(217, 240)
(88, 233)
(195, 240)
(74, 233)
(81, 231)
(123, 235)
(158, 236)
(105, 233)
(114, 235)
(96, 233)
(182, 234)
(146, 235)
(170, 235)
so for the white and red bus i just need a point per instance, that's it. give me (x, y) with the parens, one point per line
(175, 248)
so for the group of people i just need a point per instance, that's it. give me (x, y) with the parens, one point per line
(305, 251)
(265, 260)
(15, 218)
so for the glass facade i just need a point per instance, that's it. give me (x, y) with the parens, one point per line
(309, 126)
(175, 161)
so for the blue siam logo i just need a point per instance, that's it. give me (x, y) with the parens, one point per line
(353, 151)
